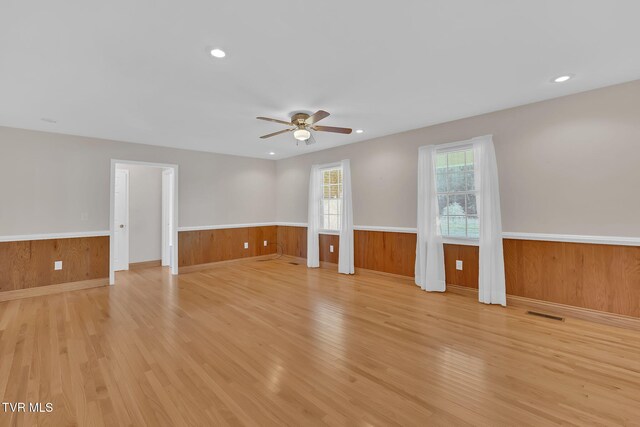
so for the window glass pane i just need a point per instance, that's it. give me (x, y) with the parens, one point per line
(444, 225)
(442, 203)
(473, 227)
(339, 207)
(333, 222)
(325, 207)
(457, 226)
(469, 160)
(471, 205)
(325, 192)
(456, 160)
(334, 176)
(441, 162)
(340, 191)
(441, 182)
(470, 181)
(333, 191)
(456, 205)
(456, 181)
(326, 177)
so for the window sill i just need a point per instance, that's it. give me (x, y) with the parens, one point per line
(330, 232)
(460, 241)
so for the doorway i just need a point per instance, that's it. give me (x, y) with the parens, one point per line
(120, 234)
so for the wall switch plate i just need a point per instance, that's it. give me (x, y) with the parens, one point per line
(458, 264)
(265, 243)
(57, 265)
(246, 245)
(330, 248)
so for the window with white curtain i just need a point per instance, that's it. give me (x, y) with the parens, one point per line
(331, 204)
(456, 191)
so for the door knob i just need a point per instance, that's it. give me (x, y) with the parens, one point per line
(121, 225)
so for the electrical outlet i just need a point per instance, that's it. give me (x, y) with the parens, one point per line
(246, 245)
(57, 265)
(458, 264)
(331, 248)
(265, 243)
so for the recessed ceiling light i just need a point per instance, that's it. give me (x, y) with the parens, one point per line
(359, 131)
(48, 120)
(561, 79)
(218, 53)
(271, 153)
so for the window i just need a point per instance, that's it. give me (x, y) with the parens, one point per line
(456, 192)
(331, 206)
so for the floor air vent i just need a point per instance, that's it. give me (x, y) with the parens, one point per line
(548, 316)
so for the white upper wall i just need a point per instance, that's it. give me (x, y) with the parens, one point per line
(49, 181)
(567, 166)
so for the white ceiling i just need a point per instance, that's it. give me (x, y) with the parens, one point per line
(140, 71)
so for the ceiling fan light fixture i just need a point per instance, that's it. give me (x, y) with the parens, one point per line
(301, 134)
(218, 53)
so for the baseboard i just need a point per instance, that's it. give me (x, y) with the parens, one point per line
(145, 264)
(611, 319)
(207, 266)
(52, 289)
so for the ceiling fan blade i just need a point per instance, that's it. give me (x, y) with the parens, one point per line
(332, 129)
(275, 120)
(316, 117)
(275, 133)
(311, 139)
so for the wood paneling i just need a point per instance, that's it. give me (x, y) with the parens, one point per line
(385, 251)
(468, 276)
(29, 264)
(326, 240)
(598, 277)
(293, 241)
(206, 246)
(270, 343)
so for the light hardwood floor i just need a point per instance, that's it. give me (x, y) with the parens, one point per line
(271, 343)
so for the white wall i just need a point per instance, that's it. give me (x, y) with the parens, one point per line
(145, 212)
(567, 166)
(54, 183)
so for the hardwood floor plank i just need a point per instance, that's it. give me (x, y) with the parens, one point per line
(271, 343)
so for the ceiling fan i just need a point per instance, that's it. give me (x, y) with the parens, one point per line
(302, 124)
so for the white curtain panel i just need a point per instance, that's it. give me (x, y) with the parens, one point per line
(429, 247)
(313, 222)
(491, 282)
(345, 254)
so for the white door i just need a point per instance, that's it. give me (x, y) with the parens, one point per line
(121, 220)
(167, 215)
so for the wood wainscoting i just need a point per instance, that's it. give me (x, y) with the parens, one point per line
(207, 246)
(388, 252)
(598, 277)
(594, 276)
(30, 263)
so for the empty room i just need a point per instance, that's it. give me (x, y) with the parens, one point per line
(346, 213)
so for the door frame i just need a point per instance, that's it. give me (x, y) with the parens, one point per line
(167, 217)
(126, 214)
(174, 210)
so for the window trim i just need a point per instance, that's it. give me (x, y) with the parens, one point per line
(448, 148)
